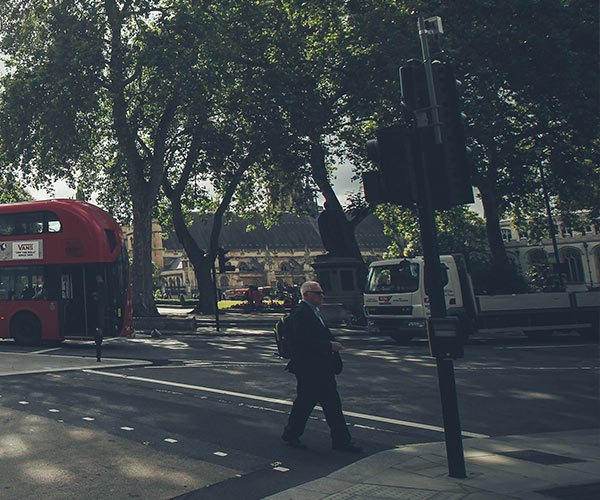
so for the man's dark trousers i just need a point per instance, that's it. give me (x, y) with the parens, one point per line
(321, 390)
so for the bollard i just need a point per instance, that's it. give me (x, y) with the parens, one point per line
(98, 341)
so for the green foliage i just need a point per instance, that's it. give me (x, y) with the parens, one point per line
(542, 278)
(459, 231)
(13, 192)
(245, 95)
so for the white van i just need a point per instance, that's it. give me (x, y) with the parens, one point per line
(396, 303)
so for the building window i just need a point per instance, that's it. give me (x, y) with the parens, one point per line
(573, 265)
(506, 234)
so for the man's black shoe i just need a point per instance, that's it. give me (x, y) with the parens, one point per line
(348, 447)
(294, 442)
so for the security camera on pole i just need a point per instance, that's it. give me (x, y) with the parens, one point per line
(424, 162)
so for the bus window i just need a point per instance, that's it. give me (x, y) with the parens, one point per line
(22, 283)
(7, 225)
(54, 225)
(66, 286)
(29, 223)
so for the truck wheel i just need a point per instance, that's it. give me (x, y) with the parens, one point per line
(26, 329)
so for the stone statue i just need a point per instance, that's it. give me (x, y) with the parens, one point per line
(332, 232)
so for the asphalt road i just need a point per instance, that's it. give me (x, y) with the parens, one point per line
(214, 406)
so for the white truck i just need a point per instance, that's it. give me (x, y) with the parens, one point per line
(396, 304)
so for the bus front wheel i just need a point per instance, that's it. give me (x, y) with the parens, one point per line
(26, 329)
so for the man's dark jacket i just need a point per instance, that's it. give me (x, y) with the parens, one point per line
(311, 344)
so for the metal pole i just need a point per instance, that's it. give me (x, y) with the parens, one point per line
(214, 277)
(433, 276)
(550, 221)
(435, 291)
(587, 258)
(437, 132)
(454, 446)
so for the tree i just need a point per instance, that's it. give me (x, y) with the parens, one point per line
(324, 83)
(521, 93)
(102, 83)
(240, 145)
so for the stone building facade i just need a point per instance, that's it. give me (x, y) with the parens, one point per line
(579, 252)
(284, 253)
(261, 257)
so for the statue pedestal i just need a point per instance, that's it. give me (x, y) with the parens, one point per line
(342, 280)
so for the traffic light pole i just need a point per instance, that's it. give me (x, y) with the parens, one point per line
(216, 292)
(433, 278)
(434, 288)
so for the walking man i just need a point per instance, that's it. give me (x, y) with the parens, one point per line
(312, 355)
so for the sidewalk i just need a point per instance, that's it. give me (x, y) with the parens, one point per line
(559, 465)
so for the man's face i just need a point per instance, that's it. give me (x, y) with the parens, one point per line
(314, 295)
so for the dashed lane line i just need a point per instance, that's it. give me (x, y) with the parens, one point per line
(223, 392)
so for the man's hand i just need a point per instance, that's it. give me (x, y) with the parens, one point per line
(336, 346)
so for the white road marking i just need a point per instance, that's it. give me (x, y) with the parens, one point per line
(527, 368)
(23, 402)
(281, 469)
(220, 453)
(540, 346)
(363, 416)
(170, 440)
(45, 350)
(88, 419)
(127, 428)
(54, 410)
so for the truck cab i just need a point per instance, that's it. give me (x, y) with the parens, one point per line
(397, 304)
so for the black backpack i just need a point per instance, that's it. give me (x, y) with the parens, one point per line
(283, 336)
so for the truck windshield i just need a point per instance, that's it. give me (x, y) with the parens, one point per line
(395, 278)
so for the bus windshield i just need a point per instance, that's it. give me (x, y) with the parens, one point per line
(395, 278)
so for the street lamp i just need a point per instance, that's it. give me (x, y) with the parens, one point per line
(539, 151)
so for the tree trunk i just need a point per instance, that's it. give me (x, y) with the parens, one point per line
(492, 226)
(503, 277)
(319, 174)
(143, 190)
(201, 261)
(206, 300)
(142, 272)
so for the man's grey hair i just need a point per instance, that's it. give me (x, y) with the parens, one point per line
(307, 286)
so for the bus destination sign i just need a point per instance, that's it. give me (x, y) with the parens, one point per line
(21, 250)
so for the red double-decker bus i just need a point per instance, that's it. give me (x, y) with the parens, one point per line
(52, 255)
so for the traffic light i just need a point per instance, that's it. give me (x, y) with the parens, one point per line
(413, 87)
(457, 164)
(447, 164)
(395, 181)
(223, 259)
